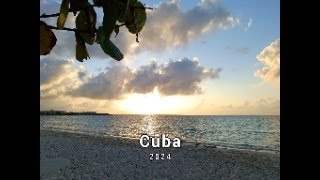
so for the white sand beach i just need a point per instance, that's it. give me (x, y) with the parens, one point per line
(76, 156)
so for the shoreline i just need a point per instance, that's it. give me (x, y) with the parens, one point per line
(76, 155)
(183, 142)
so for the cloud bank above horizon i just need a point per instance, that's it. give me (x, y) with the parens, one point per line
(180, 77)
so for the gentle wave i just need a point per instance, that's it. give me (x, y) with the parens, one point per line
(240, 132)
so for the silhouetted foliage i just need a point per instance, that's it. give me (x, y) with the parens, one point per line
(129, 13)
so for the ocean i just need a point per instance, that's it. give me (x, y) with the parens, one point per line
(239, 132)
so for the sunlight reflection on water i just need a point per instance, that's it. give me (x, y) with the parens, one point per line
(248, 132)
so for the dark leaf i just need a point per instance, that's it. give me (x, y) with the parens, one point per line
(83, 24)
(91, 13)
(64, 10)
(116, 30)
(139, 19)
(125, 12)
(81, 50)
(77, 5)
(111, 14)
(97, 40)
(108, 47)
(47, 39)
(100, 35)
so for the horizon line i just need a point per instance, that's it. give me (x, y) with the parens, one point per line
(173, 114)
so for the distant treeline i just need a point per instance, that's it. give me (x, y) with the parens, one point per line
(52, 112)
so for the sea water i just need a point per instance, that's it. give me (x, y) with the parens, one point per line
(240, 132)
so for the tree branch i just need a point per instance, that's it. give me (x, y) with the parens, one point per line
(144, 7)
(123, 24)
(49, 15)
(68, 29)
(76, 30)
(58, 14)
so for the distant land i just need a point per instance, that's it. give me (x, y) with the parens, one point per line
(53, 112)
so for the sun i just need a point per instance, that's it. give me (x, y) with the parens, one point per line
(151, 103)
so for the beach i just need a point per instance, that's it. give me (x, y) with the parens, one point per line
(65, 155)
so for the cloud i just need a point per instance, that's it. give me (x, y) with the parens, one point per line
(170, 27)
(180, 77)
(82, 73)
(50, 70)
(167, 27)
(69, 103)
(106, 85)
(256, 106)
(145, 79)
(270, 57)
(250, 22)
(230, 106)
(58, 77)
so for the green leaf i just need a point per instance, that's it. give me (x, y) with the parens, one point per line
(123, 15)
(77, 5)
(100, 35)
(107, 46)
(111, 13)
(64, 10)
(81, 49)
(47, 39)
(139, 19)
(83, 23)
(92, 19)
(97, 40)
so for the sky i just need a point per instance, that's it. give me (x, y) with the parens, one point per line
(207, 57)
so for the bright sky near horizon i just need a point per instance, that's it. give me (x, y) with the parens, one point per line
(194, 57)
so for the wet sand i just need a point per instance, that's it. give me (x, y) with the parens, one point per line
(77, 156)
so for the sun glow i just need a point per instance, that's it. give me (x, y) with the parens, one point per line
(151, 103)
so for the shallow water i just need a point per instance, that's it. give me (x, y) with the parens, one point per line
(241, 132)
